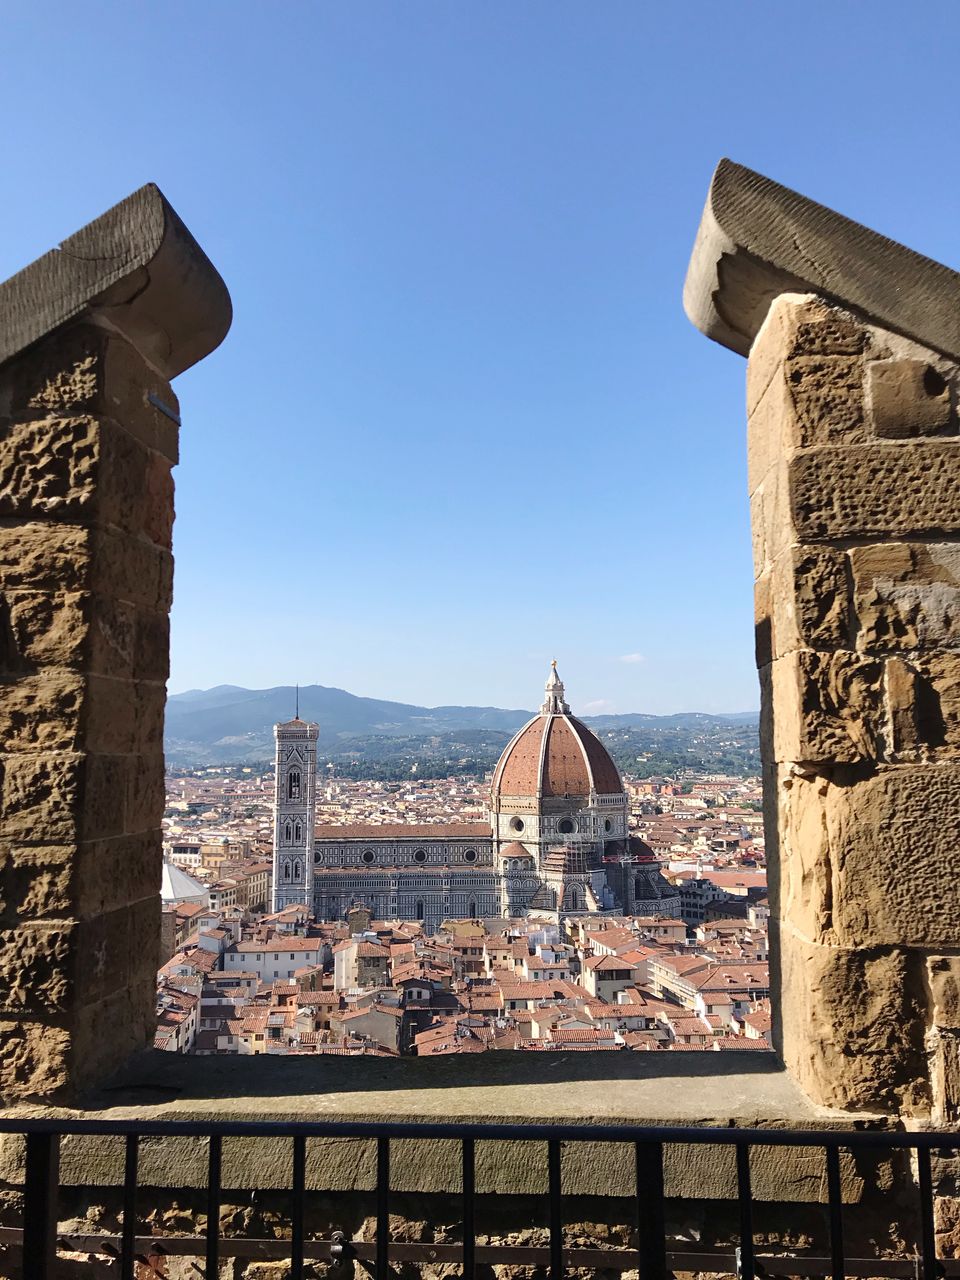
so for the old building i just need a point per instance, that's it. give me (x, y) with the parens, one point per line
(556, 839)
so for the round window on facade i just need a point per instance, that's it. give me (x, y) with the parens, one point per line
(516, 824)
(565, 826)
(608, 825)
(470, 856)
(420, 856)
(367, 856)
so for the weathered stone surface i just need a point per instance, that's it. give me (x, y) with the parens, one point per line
(895, 857)
(61, 798)
(881, 490)
(33, 1058)
(827, 396)
(42, 712)
(853, 1025)
(826, 708)
(803, 602)
(923, 692)
(35, 968)
(36, 882)
(145, 794)
(908, 398)
(943, 978)
(805, 877)
(117, 949)
(85, 469)
(906, 595)
(93, 371)
(37, 556)
(112, 873)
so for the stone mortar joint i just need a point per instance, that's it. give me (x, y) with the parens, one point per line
(757, 240)
(138, 269)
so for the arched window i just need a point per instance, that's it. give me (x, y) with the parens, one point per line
(293, 784)
(419, 910)
(297, 871)
(472, 909)
(286, 871)
(288, 833)
(299, 833)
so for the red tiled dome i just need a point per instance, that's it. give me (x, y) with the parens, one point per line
(556, 755)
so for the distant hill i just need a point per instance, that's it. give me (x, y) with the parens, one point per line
(228, 724)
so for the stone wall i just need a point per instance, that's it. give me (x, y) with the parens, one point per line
(90, 335)
(86, 503)
(854, 475)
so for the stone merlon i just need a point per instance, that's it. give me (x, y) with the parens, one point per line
(757, 240)
(138, 268)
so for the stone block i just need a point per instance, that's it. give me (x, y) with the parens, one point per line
(802, 602)
(132, 570)
(90, 370)
(145, 793)
(117, 949)
(38, 556)
(894, 857)
(826, 707)
(908, 398)
(42, 712)
(799, 325)
(112, 873)
(36, 882)
(906, 595)
(853, 1026)
(36, 967)
(85, 469)
(882, 490)
(943, 979)
(151, 653)
(59, 798)
(106, 1033)
(770, 520)
(827, 399)
(34, 1058)
(805, 879)
(41, 630)
(924, 698)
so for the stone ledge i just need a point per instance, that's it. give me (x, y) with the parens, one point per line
(757, 239)
(715, 1089)
(136, 267)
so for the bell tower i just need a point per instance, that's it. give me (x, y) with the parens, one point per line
(294, 812)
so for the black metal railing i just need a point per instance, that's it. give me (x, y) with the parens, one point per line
(37, 1240)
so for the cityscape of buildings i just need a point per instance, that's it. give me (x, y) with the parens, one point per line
(554, 905)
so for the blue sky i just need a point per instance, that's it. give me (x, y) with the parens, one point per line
(461, 424)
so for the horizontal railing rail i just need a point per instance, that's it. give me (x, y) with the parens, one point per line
(38, 1239)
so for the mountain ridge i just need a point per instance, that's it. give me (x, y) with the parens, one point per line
(228, 723)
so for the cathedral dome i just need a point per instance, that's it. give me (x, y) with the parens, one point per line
(555, 754)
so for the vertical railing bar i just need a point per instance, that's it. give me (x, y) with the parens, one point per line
(213, 1206)
(745, 1264)
(651, 1217)
(469, 1220)
(556, 1213)
(40, 1190)
(928, 1239)
(296, 1217)
(835, 1204)
(383, 1208)
(128, 1235)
